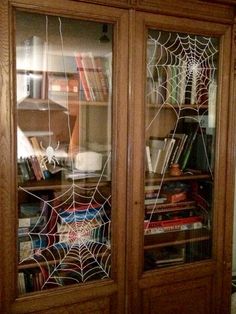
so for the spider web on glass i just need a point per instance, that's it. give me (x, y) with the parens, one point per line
(181, 76)
(72, 245)
(70, 240)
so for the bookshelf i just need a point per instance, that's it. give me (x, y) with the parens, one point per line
(181, 90)
(117, 150)
(175, 212)
(64, 181)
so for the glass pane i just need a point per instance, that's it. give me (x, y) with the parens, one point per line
(181, 90)
(64, 114)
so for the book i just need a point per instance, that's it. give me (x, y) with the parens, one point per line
(148, 159)
(89, 71)
(21, 283)
(84, 79)
(33, 215)
(153, 194)
(180, 139)
(188, 147)
(103, 75)
(164, 156)
(40, 165)
(176, 224)
(182, 81)
(194, 85)
(156, 146)
(170, 256)
(155, 200)
(151, 187)
(171, 207)
(22, 170)
(25, 248)
(30, 169)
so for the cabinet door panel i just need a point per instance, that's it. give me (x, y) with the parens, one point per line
(69, 160)
(181, 91)
(173, 236)
(64, 105)
(92, 307)
(183, 298)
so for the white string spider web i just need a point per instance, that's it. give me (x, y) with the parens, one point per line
(64, 234)
(70, 240)
(181, 71)
(181, 76)
(181, 84)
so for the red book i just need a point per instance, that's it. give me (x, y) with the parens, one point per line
(83, 77)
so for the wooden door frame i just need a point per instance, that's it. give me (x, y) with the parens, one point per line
(139, 281)
(46, 300)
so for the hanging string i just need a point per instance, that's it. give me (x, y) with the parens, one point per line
(66, 78)
(48, 102)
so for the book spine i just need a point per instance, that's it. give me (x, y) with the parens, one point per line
(171, 228)
(83, 77)
(189, 148)
(148, 158)
(102, 77)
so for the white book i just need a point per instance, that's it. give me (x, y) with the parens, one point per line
(168, 148)
(156, 147)
(165, 156)
(148, 158)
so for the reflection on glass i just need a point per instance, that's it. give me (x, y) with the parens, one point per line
(181, 92)
(64, 75)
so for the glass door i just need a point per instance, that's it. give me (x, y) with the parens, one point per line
(64, 150)
(181, 92)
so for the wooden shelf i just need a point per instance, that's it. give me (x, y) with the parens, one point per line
(39, 104)
(175, 238)
(57, 184)
(43, 104)
(182, 106)
(153, 177)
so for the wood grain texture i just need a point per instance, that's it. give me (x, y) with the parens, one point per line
(7, 166)
(75, 299)
(229, 213)
(181, 298)
(97, 306)
(192, 9)
(130, 290)
(192, 272)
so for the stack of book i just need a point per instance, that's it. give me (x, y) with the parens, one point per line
(152, 196)
(80, 223)
(179, 148)
(171, 225)
(93, 77)
(158, 154)
(33, 219)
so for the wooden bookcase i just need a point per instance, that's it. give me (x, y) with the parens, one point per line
(150, 240)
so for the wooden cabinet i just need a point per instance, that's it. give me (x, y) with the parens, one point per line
(116, 163)
(157, 120)
(59, 111)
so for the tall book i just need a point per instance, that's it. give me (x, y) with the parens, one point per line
(148, 159)
(97, 79)
(83, 77)
(164, 156)
(39, 156)
(188, 147)
(102, 75)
